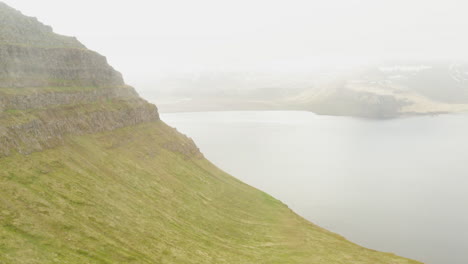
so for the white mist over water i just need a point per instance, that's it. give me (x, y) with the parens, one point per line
(395, 185)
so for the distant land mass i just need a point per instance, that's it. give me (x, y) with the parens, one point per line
(90, 174)
(386, 90)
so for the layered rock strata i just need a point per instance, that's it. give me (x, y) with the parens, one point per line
(52, 86)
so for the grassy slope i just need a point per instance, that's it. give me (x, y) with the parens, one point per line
(123, 197)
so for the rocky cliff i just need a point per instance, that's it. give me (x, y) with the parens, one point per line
(89, 174)
(27, 66)
(51, 86)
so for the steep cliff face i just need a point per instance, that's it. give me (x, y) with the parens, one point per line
(52, 86)
(26, 66)
(23, 99)
(89, 174)
(38, 129)
(32, 55)
(17, 29)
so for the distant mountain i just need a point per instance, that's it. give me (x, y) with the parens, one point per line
(385, 90)
(445, 82)
(90, 174)
(395, 89)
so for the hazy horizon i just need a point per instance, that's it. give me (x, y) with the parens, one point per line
(148, 40)
(246, 131)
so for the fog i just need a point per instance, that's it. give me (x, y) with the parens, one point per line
(395, 185)
(149, 40)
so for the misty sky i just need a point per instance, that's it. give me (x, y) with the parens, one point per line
(146, 40)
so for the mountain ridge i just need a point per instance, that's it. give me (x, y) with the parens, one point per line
(90, 174)
(18, 29)
(52, 86)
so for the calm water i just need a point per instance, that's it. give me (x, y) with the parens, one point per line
(396, 185)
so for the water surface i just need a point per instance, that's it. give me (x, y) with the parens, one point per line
(395, 185)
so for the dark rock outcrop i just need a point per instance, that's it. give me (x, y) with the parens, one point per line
(47, 128)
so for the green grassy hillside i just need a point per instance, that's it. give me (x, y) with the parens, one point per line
(89, 174)
(144, 194)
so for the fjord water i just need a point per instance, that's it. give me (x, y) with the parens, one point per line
(397, 185)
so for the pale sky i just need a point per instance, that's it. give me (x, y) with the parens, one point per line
(147, 40)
